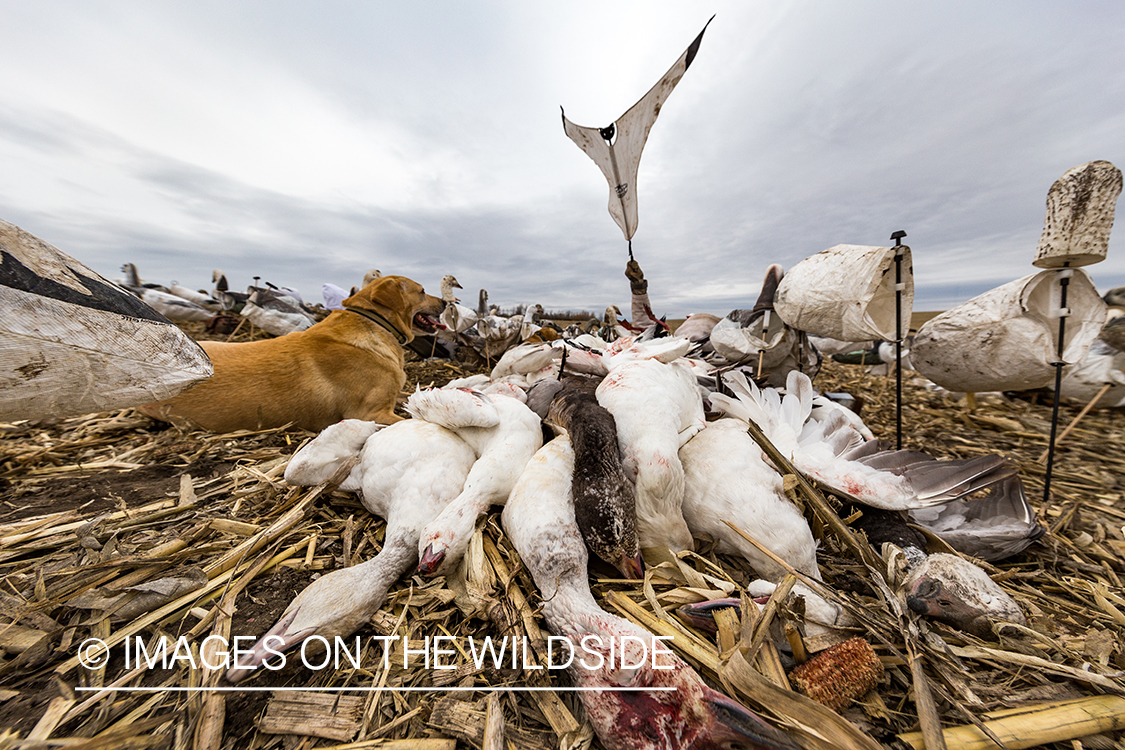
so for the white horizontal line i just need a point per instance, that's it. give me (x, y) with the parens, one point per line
(373, 689)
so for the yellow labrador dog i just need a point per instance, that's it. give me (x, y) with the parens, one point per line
(348, 366)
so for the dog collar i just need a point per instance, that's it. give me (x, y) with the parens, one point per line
(377, 318)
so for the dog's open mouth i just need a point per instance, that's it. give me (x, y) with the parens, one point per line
(426, 324)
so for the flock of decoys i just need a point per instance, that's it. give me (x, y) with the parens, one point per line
(618, 437)
(483, 335)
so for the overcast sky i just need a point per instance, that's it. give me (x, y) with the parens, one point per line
(308, 142)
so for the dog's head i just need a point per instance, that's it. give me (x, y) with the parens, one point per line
(402, 302)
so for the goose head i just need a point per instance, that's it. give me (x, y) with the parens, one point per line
(337, 604)
(444, 541)
(448, 284)
(673, 707)
(772, 280)
(957, 592)
(131, 277)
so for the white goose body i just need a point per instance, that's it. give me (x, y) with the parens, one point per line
(504, 434)
(832, 451)
(408, 472)
(657, 409)
(726, 478)
(271, 312)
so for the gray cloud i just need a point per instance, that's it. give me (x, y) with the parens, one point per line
(798, 127)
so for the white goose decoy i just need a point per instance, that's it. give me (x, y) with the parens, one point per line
(503, 434)
(175, 308)
(498, 334)
(333, 295)
(612, 328)
(408, 472)
(657, 409)
(1103, 365)
(163, 301)
(679, 710)
(203, 300)
(456, 317)
(271, 312)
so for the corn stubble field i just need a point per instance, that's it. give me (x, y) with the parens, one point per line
(108, 504)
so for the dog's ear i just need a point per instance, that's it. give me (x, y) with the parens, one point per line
(393, 297)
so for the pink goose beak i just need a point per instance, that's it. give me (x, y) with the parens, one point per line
(632, 567)
(732, 724)
(274, 642)
(431, 561)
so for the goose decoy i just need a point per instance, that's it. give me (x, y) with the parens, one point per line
(133, 283)
(879, 357)
(503, 434)
(159, 298)
(73, 342)
(760, 338)
(497, 333)
(667, 706)
(1103, 365)
(456, 317)
(230, 301)
(175, 308)
(612, 327)
(202, 299)
(271, 312)
(407, 473)
(1113, 332)
(1115, 297)
(657, 409)
(334, 296)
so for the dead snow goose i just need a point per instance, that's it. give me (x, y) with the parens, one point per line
(657, 409)
(503, 434)
(679, 710)
(604, 497)
(726, 478)
(407, 473)
(826, 449)
(953, 590)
